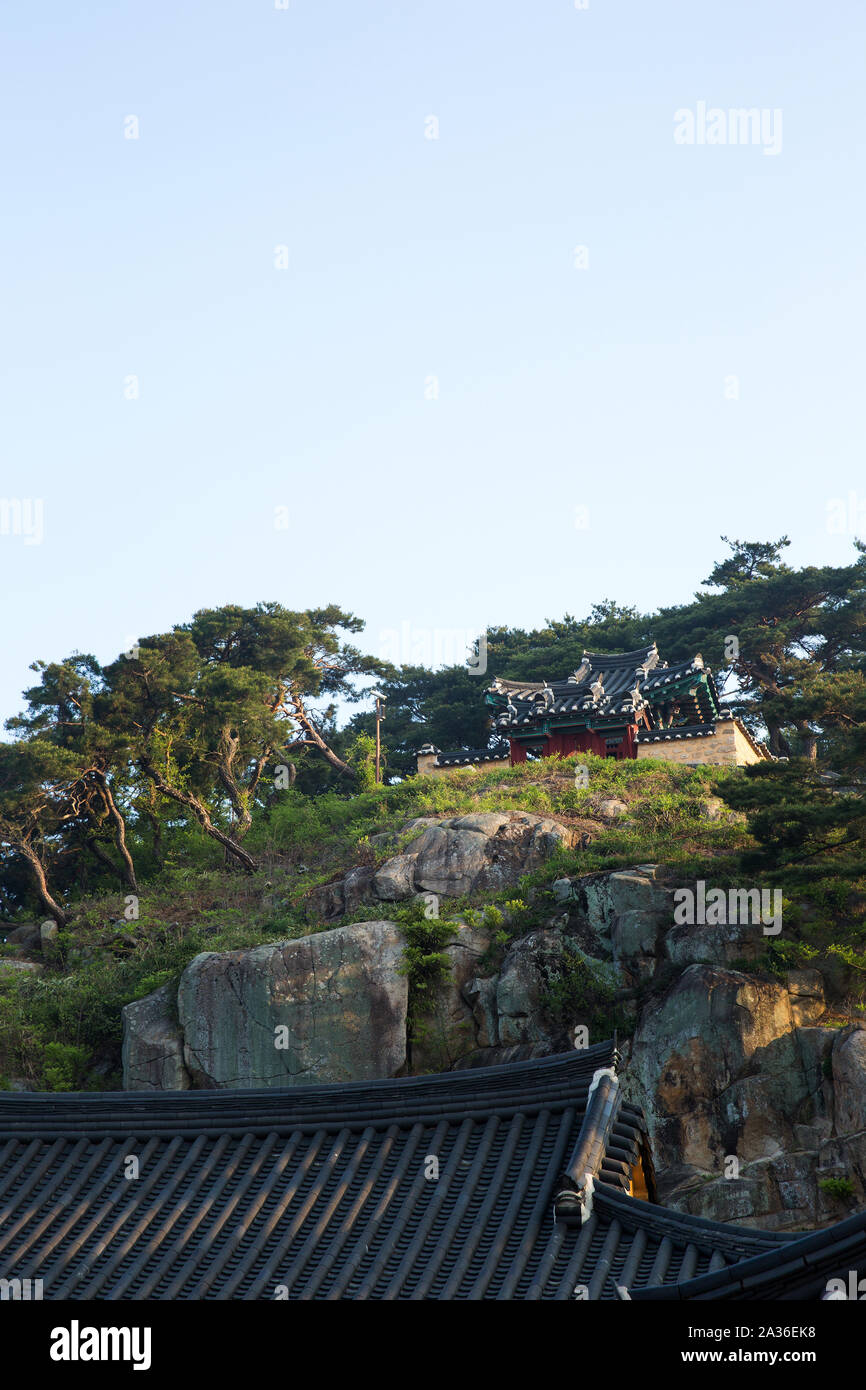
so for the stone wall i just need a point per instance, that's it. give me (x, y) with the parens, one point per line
(729, 746)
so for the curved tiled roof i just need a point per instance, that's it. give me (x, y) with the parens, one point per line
(801, 1269)
(322, 1191)
(668, 675)
(606, 687)
(329, 1192)
(457, 757)
(641, 656)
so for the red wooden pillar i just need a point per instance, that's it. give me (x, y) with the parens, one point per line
(629, 743)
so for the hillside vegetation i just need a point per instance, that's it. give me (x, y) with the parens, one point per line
(61, 1029)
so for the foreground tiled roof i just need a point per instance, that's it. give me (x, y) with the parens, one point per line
(329, 1192)
(801, 1268)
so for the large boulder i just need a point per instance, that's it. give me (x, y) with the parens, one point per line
(395, 880)
(721, 1069)
(48, 934)
(327, 901)
(621, 917)
(449, 861)
(849, 1080)
(27, 934)
(357, 887)
(330, 1007)
(485, 851)
(523, 983)
(731, 1072)
(721, 943)
(153, 1044)
(482, 851)
(11, 967)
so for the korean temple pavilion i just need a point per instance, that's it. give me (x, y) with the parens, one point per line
(526, 1181)
(616, 705)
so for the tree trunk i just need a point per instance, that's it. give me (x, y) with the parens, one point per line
(779, 745)
(52, 908)
(128, 871)
(809, 741)
(315, 737)
(241, 799)
(105, 859)
(156, 829)
(239, 802)
(201, 814)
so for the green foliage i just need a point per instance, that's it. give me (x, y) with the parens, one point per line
(797, 819)
(840, 1188)
(442, 1041)
(575, 995)
(855, 960)
(780, 957)
(442, 707)
(361, 757)
(173, 739)
(425, 960)
(64, 1066)
(148, 984)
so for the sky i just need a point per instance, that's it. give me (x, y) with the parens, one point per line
(453, 312)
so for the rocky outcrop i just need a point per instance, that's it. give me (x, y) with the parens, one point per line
(753, 1100)
(333, 1007)
(26, 935)
(718, 1062)
(11, 966)
(849, 1081)
(752, 1104)
(21, 942)
(481, 852)
(628, 918)
(612, 928)
(529, 973)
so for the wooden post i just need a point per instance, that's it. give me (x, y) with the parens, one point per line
(380, 715)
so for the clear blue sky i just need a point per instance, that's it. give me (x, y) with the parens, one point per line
(410, 258)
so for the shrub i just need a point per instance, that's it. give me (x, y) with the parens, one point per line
(425, 960)
(64, 1066)
(574, 994)
(838, 1188)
